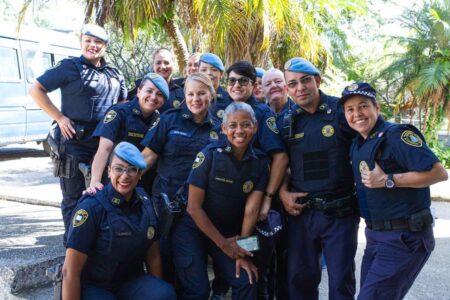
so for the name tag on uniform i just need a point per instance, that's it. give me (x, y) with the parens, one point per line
(226, 180)
(177, 132)
(135, 134)
(124, 233)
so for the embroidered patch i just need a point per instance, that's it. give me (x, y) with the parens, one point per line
(150, 232)
(115, 201)
(411, 138)
(288, 64)
(227, 149)
(79, 218)
(213, 135)
(327, 130)
(198, 160)
(352, 87)
(323, 106)
(136, 134)
(247, 187)
(299, 135)
(111, 115)
(136, 111)
(154, 124)
(176, 103)
(220, 113)
(363, 166)
(226, 180)
(272, 124)
(185, 116)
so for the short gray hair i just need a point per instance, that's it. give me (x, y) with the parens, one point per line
(238, 106)
(273, 71)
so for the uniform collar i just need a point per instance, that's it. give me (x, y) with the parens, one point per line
(84, 61)
(136, 110)
(249, 153)
(323, 107)
(187, 115)
(117, 200)
(173, 85)
(252, 101)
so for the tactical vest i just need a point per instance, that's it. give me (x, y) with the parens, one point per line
(229, 189)
(100, 88)
(318, 154)
(121, 246)
(383, 203)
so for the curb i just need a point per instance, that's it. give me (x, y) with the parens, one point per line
(30, 201)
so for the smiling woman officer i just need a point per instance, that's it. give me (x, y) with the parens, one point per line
(112, 234)
(89, 86)
(129, 122)
(393, 170)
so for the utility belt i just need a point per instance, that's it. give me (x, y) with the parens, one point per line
(334, 207)
(66, 165)
(415, 223)
(168, 210)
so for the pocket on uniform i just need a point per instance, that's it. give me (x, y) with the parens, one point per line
(411, 242)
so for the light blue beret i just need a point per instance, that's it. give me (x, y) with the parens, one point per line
(160, 83)
(95, 31)
(260, 72)
(212, 59)
(301, 65)
(131, 154)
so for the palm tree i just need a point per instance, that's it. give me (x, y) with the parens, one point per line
(422, 72)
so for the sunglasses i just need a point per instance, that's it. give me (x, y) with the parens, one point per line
(243, 81)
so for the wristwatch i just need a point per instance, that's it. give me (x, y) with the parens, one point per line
(269, 195)
(389, 183)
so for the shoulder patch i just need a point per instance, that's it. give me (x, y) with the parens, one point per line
(111, 115)
(247, 187)
(220, 113)
(198, 160)
(150, 232)
(272, 124)
(213, 135)
(155, 123)
(411, 138)
(79, 218)
(327, 130)
(363, 166)
(176, 103)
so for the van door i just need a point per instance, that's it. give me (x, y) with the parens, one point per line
(13, 93)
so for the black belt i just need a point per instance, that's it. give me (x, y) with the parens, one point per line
(319, 203)
(415, 223)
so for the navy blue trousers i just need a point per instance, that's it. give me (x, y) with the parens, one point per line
(190, 251)
(145, 287)
(391, 262)
(310, 234)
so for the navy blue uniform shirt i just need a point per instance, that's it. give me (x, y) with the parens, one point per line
(221, 102)
(87, 91)
(319, 150)
(228, 182)
(176, 139)
(125, 122)
(397, 149)
(114, 234)
(176, 97)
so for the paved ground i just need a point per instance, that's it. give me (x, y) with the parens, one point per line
(30, 233)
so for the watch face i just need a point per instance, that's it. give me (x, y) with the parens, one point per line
(389, 183)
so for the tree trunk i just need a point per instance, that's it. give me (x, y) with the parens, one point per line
(178, 43)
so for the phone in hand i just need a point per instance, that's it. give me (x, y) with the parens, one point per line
(250, 243)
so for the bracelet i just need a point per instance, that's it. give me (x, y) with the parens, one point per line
(268, 195)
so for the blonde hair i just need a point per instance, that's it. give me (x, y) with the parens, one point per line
(203, 79)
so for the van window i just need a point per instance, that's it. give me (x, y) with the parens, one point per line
(36, 63)
(9, 63)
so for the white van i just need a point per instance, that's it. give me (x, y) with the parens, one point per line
(24, 56)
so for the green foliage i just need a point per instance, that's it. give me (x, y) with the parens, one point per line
(442, 152)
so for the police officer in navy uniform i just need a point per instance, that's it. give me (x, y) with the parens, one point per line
(240, 85)
(226, 188)
(319, 193)
(112, 234)
(393, 170)
(192, 66)
(212, 65)
(129, 122)
(89, 86)
(175, 141)
(257, 91)
(163, 65)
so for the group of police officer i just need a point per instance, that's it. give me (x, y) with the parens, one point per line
(330, 161)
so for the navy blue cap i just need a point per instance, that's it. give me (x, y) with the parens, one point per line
(301, 65)
(213, 60)
(260, 72)
(95, 31)
(131, 154)
(160, 83)
(358, 88)
(271, 225)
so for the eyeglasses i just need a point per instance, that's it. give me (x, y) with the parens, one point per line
(130, 170)
(243, 81)
(304, 80)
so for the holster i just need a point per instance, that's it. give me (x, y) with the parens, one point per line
(170, 209)
(85, 169)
